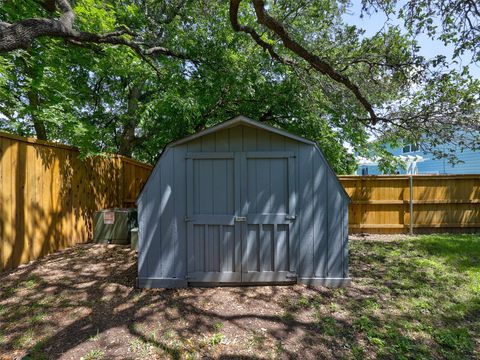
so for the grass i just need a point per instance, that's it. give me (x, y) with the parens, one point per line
(215, 339)
(410, 299)
(257, 339)
(328, 326)
(25, 340)
(95, 354)
(426, 303)
(37, 351)
(31, 282)
(140, 348)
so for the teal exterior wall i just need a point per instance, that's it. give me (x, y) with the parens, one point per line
(469, 163)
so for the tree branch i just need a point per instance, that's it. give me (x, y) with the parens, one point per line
(315, 61)
(22, 33)
(234, 5)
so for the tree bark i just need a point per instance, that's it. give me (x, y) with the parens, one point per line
(21, 34)
(34, 103)
(128, 139)
(39, 125)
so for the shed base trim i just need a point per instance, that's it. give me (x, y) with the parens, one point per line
(168, 283)
(328, 282)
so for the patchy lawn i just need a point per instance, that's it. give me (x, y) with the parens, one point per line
(411, 298)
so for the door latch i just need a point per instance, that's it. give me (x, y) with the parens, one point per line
(290, 217)
(240, 218)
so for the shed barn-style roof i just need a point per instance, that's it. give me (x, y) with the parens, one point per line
(243, 120)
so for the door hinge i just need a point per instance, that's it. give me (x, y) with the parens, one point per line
(291, 276)
(290, 217)
(240, 218)
(188, 219)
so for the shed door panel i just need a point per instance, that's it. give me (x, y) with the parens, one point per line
(213, 253)
(269, 199)
(240, 208)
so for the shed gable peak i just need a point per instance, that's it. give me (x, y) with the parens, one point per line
(238, 121)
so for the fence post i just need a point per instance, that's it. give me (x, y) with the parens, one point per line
(411, 204)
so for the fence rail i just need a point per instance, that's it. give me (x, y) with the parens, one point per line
(48, 195)
(418, 203)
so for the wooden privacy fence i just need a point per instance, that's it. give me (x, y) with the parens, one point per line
(48, 195)
(423, 203)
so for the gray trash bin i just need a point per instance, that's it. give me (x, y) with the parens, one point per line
(134, 239)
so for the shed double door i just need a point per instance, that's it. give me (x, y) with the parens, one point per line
(240, 212)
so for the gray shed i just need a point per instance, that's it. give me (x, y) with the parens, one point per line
(242, 203)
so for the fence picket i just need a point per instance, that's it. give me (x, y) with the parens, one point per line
(440, 203)
(48, 195)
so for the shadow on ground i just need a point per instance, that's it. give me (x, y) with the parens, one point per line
(82, 302)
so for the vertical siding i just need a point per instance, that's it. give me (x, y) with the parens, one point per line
(321, 217)
(235, 137)
(316, 243)
(168, 235)
(307, 176)
(345, 258)
(149, 264)
(299, 166)
(180, 241)
(249, 139)
(335, 227)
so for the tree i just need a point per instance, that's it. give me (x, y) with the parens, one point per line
(68, 69)
(459, 20)
(131, 78)
(23, 32)
(432, 101)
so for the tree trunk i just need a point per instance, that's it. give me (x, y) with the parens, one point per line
(128, 138)
(34, 102)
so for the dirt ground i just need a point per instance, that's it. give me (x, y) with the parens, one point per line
(82, 303)
(380, 237)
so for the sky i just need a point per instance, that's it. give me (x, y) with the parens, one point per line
(429, 47)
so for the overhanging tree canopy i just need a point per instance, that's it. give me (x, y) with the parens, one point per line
(130, 77)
